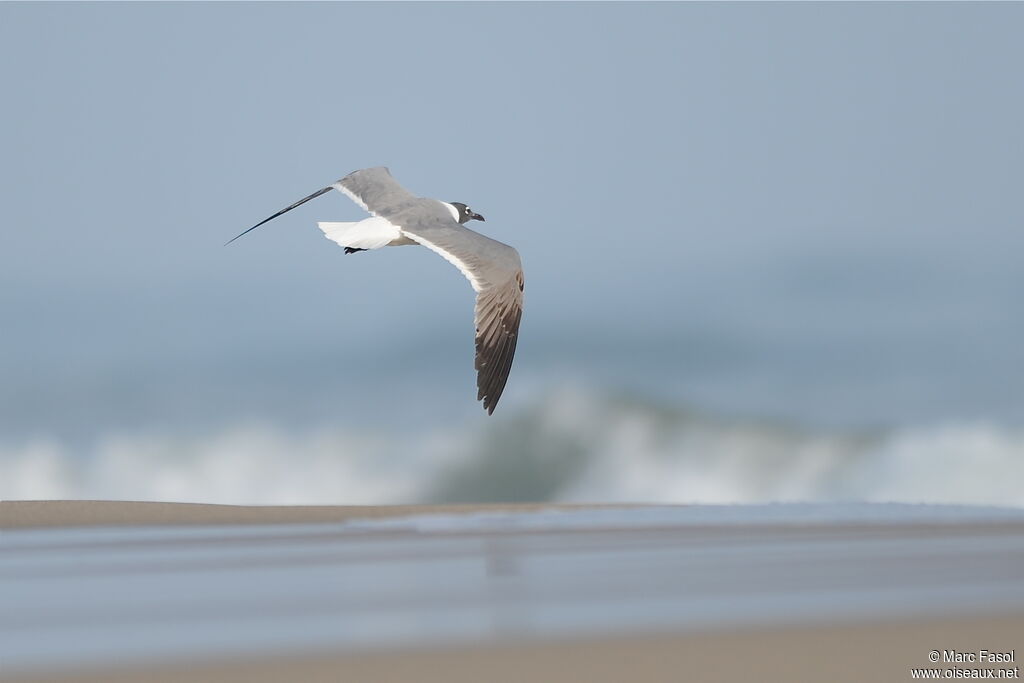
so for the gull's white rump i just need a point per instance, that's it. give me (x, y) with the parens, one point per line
(370, 233)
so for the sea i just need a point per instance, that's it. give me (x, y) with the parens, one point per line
(583, 426)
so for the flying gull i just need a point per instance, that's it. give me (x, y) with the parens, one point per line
(397, 217)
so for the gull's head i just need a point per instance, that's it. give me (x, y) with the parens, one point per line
(466, 214)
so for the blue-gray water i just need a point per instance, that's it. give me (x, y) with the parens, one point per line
(760, 241)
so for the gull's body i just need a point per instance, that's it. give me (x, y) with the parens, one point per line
(397, 217)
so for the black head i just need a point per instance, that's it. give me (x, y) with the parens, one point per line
(466, 214)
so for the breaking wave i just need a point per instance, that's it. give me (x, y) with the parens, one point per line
(575, 445)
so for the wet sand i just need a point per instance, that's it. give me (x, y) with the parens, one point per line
(504, 592)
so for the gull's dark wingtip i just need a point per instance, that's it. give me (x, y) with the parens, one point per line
(250, 229)
(236, 237)
(282, 211)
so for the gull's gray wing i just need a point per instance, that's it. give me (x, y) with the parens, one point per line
(496, 274)
(376, 191)
(371, 188)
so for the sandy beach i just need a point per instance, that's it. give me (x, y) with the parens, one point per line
(108, 591)
(845, 654)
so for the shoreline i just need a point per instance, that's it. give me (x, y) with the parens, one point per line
(28, 514)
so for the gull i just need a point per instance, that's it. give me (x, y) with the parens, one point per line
(398, 217)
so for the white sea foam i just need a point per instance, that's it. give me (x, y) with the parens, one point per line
(248, 464)
(574, 446)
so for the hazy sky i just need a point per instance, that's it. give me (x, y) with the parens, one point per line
(754, 206)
